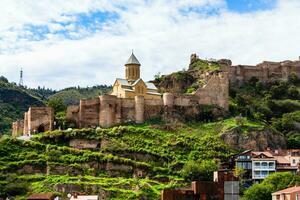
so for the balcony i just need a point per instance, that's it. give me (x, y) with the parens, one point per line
(264, 167)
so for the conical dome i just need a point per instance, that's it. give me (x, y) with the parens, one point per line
(132, 60)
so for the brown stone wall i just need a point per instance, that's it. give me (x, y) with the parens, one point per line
(110, 110)
(39, 119)
(153, 108)
(265, 72)
(216, 91)
(88, 113)
(72, 114)
(84, 144)
(127, 110)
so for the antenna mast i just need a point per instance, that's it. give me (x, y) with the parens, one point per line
(21, 78)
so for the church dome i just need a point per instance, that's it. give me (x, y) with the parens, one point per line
(132, 60)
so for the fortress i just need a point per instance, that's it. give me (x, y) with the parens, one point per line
(133, 100)
(266, 71)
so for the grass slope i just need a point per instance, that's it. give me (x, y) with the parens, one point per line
(159, 149)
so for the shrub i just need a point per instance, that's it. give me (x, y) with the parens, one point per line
(194, 170)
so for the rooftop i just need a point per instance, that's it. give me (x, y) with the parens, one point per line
(132, 60)
(288, 190)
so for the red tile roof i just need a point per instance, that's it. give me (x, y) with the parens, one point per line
(288, 190)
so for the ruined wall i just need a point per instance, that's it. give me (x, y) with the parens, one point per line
(72, 113)
(216, 91)
(36, 120)
(265, 72)
(17, 128)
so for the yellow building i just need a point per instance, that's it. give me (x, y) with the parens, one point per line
(133, 85)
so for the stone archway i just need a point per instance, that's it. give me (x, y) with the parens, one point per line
(41, 128)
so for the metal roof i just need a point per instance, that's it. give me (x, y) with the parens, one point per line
(132, 60)
(151, 86)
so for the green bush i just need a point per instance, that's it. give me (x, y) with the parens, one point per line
(274, 182)
(195, 170)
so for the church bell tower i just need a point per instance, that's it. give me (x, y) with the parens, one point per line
(132, 69)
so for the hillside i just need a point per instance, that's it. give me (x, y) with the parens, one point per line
(14, 101)
(125, 162)
(71, 96)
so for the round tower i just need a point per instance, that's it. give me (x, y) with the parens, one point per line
(132, 69)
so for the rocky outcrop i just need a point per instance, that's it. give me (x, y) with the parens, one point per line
(253, 139)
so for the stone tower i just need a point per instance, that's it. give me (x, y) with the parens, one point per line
(132, 69)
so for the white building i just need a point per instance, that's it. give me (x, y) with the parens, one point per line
(263, 164)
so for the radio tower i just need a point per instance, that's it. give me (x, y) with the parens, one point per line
(21, 78)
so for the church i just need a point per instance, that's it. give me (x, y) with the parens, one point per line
(133, 85)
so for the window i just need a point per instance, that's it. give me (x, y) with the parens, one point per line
(294, 161)
(264, 173)
(297, 196)
(257, 164)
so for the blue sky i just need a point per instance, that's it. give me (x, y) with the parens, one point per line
(244, 6)
(86, 42)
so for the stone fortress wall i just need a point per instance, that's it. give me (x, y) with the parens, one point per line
(36, 120)
(266, 71)
(109, 110)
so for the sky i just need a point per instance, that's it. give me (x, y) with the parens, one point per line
(68, 43)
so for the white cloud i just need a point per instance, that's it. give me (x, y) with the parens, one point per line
(161, 35)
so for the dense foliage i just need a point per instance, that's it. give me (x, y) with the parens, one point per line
(272, 183)
(277, 104)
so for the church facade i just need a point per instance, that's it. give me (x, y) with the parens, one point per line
(132, 85)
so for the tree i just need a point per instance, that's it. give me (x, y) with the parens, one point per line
(57, 104)
(3, 79)
(293, 93)
(274, 182)
(293, 78)
(195, 170)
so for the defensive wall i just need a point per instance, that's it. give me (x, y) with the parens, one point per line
(109, 110)
(266, 71)
(36, 120)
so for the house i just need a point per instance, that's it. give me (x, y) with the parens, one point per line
(292, 193)
(259, 164)
(293, 155)
(243, 161)
(285, 165)
(41, 196)
(263, 164)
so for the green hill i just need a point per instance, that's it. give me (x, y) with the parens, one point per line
(161, 152)
(14, 101)
(71, 96)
